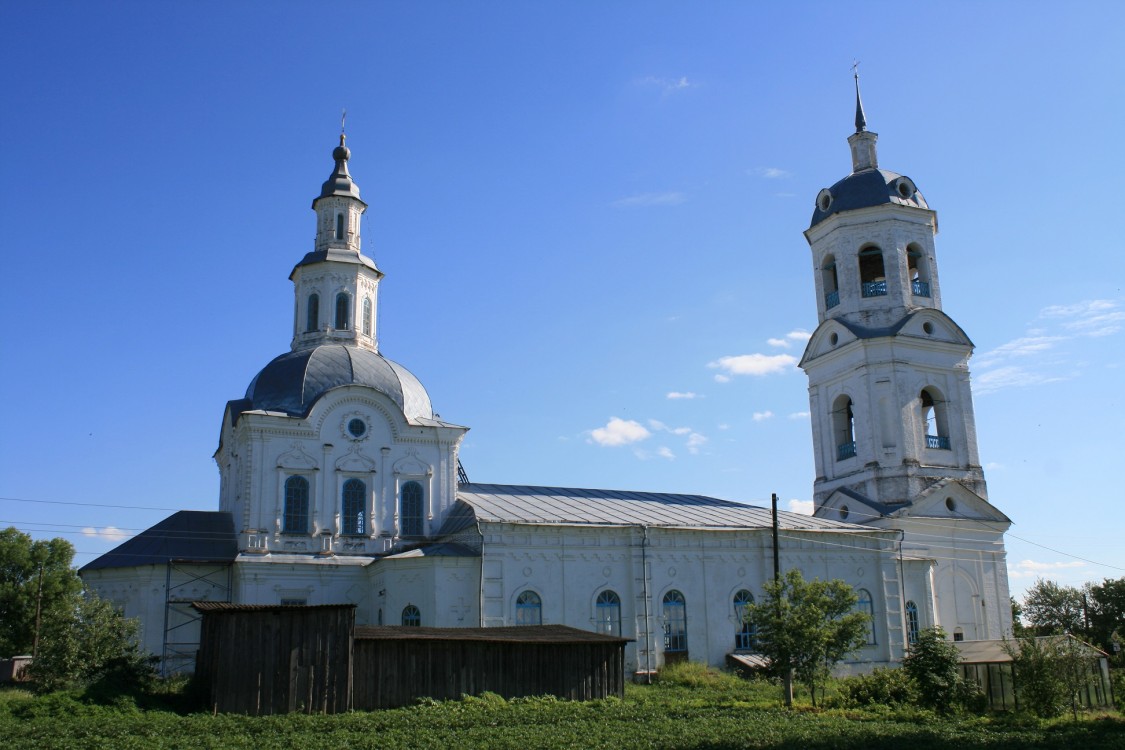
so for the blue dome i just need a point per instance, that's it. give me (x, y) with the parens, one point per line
(869, 187)
(295, 381)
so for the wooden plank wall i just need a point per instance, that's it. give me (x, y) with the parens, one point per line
(277, 660)
(396, 672)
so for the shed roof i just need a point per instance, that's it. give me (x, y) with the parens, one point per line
(502, 503)
(992, 652)
(192, 536)
(509, 634)
(229, 607)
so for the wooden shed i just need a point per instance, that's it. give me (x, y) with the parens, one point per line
(394, 666)
(259, 660)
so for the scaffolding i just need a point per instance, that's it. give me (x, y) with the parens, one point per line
(181, 621)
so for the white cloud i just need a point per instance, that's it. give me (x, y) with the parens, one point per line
(800, 415)
(695, 441)
(686, 395)
(753, 364)
(721, 378)
(111, 533)
(667, 86)
(761, 416)
(650, 199)
(665, 452)
(801, 506)
(1004, 378)
(619, 432)
(773, 173)
(795, 335)
(1036, 569)
(778, 342)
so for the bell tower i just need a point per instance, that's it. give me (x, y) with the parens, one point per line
(894, 436)
(336, 286)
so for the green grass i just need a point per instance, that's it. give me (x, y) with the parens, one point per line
(722, 714)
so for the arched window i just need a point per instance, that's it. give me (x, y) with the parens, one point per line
(831, 282)
(366, 316)
(609, 613)
(295, 519)
(867, 606)
(343, 303)
(744, 636)
(410, 515)
(675, 622)
(312, 313)
(353, 506)
(339, 226)
(919, 271)
(935, 419)
(843, 427)
(411, 616)
(911, 622)
(529, 609)
(871, 273)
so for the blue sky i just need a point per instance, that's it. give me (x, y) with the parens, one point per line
(583, 210)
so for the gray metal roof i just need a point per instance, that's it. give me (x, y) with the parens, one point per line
(340, 181)
(869, 187)
(186, 536)
(568, 505)
(293, 382)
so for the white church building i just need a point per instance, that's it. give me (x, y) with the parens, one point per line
(339, 484)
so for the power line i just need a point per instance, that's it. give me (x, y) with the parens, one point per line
(88, 505)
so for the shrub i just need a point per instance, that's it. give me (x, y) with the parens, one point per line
(695, 674)
(883, 687)
(934, 665)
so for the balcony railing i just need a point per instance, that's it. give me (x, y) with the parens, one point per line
(875, 288)
(940, 442)
(831, 299)
(920, 288)
(845, 450)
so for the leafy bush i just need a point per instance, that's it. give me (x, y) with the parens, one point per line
(883, 687)
(1117, 682)
(933, 663)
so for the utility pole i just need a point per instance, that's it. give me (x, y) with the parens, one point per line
(777, 581)
(38, 614)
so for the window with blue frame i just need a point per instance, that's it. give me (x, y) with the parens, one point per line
(339, 226)
(410, 515)
(911, 622)
(867, 606)
(744, 635)
(609, 613)
(675, 622)
(366, 316)
(529, 609)
(343, 305)
(353, 506)
(295, 517)
(411, 616)
(872, 276)
(312, 313)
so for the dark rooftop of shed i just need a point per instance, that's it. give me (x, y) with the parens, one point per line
(228, 607)
(511, 634)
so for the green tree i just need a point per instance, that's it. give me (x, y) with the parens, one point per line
(934, 664)
(1107, 613)
(1051, 609)
(88, 642)
(35, 577)
(807, 626)
(1052, 673)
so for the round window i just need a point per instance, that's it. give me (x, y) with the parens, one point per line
(950, 503)
(928, 327)
(843, 512)
(824, 200)
(357, 428)
(833, 339)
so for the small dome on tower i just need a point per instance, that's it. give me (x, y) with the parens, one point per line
(340, 181)
(870, 187)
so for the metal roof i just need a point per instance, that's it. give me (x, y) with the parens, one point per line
(508, 634)
(501, 503)
(194, 536)
(994, 652)
(293, 382)
(868, 187)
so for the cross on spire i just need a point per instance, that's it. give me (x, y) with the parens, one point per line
(860, 118)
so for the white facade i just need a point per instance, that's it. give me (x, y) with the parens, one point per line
(338, 483)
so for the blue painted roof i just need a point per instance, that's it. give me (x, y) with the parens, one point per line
(185, 536)
(293, 382)
(866, 188)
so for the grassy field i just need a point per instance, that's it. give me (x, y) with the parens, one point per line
(723, 714)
